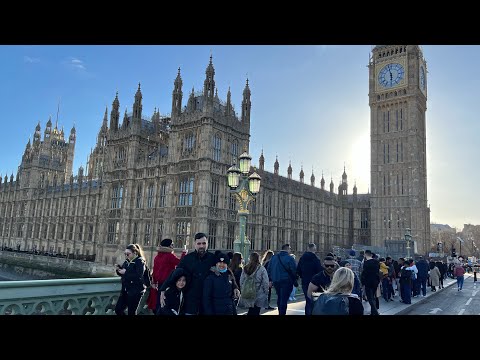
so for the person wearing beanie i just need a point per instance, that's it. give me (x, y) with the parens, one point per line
(218, 290)
(166, 243)
(164, 263)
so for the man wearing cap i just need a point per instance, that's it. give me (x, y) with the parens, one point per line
(164, 263)
(197, 266)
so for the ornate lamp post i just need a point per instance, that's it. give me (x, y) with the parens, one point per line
(244, 188)
(408, 237)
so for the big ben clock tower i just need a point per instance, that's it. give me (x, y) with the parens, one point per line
(398, 102)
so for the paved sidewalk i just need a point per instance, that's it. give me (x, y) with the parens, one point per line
(394, 307)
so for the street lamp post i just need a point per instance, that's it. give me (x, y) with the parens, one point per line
(244, 188)
(408, 237)
(461, 241)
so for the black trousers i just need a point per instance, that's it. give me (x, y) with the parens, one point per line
(255, 310)
(128, 301)
(372, 299)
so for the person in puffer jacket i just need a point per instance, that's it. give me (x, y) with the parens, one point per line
(218, 289)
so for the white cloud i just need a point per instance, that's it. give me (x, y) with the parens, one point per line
(75, 64)
(30, 60)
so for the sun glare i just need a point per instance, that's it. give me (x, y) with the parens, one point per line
(360, 166)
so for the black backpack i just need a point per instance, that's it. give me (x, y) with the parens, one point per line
(331, 304)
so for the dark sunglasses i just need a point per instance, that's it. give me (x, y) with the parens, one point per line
(330, 266)
(126, 254)
(201, 243)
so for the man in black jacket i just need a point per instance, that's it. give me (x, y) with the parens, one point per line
(370, 278)
(308, 265)
(197, 266)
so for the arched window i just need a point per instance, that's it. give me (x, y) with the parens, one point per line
(217, 147)
(234, 151)
(189, 142)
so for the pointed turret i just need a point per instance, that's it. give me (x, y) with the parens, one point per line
(228, 107)
(28, 145)
(137, 105)
(276, 166)
(48, 130)
(105, 120)
(191, 101)
(289, 170)
(261, 162)
(246, 104)
(355, 189)
(115, 114)
(322, 183)
(37, 135)
(126, 122)
(73, 135)
(312, 178)
(331, 185)
(302, 175)
(209, 86)
(177, 95)
(344, 176)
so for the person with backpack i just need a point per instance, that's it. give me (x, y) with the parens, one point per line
(321, 281)
(132, 272)
(338, 298)
(282, 269)
(254, 285)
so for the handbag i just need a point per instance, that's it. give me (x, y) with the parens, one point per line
(294, 278)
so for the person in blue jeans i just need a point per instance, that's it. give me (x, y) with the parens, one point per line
(459, 271)
(282, 270)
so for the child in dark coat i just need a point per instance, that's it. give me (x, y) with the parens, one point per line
(218, 290)
(174, 296)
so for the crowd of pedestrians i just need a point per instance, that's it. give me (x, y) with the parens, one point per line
(206, 283)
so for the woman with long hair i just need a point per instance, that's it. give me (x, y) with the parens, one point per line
(236, 265)
(265, 261)
(341, 286)
(258, 274)
(133, 285)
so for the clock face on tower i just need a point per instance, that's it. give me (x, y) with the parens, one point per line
(391, 75)
(422, 78)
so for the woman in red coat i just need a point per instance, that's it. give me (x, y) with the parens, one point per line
(163, 264)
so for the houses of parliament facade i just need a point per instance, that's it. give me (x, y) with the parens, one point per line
(165, 177)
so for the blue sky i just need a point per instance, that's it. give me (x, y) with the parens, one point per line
(309, 105)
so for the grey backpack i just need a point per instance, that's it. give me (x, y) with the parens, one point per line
(331, 304)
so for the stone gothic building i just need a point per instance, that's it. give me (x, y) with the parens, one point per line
(165, 177)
